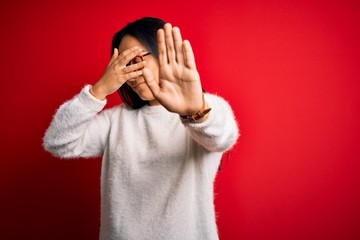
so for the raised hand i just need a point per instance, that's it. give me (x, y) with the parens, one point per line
(117, 72)
(179, 88)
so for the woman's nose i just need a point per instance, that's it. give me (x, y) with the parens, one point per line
(138, 59)
(135, 60)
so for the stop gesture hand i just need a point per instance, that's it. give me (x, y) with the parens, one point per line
(179, 88)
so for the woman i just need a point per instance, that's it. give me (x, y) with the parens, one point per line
(161, 149)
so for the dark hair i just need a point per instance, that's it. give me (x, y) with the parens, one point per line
(145, 30)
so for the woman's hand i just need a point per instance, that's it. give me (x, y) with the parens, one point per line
(117, 73)
(179, 88)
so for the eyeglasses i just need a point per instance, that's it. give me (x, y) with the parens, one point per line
(138, 58)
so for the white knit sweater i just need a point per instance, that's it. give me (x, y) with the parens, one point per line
(157, 171)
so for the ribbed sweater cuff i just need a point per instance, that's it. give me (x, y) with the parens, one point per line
(90, 101)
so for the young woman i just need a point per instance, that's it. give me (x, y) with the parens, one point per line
(161, 149)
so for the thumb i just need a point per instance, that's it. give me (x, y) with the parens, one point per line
(114, 56)
(151, 82)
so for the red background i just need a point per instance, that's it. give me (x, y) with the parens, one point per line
(290, 70)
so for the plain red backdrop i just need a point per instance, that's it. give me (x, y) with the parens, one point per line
(290, 70)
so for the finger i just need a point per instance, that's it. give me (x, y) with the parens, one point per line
(133, 74)
(169, 43)
(126, 56)
(134, 67)
(188, 55)
(161, 47)
(151, 82)
(178, 44)
(127, 51)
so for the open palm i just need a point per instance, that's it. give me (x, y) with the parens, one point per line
(179, 88)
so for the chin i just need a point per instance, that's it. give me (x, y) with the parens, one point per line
(146, 95)
(147, 98)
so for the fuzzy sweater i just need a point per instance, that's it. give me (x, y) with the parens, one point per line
(157, 171)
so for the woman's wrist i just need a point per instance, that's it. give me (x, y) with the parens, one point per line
(96, 92)
(200, 115)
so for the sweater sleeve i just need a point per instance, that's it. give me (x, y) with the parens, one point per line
(77, 130)
(219, 132)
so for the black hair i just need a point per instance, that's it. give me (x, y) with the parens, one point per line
(145, 30)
